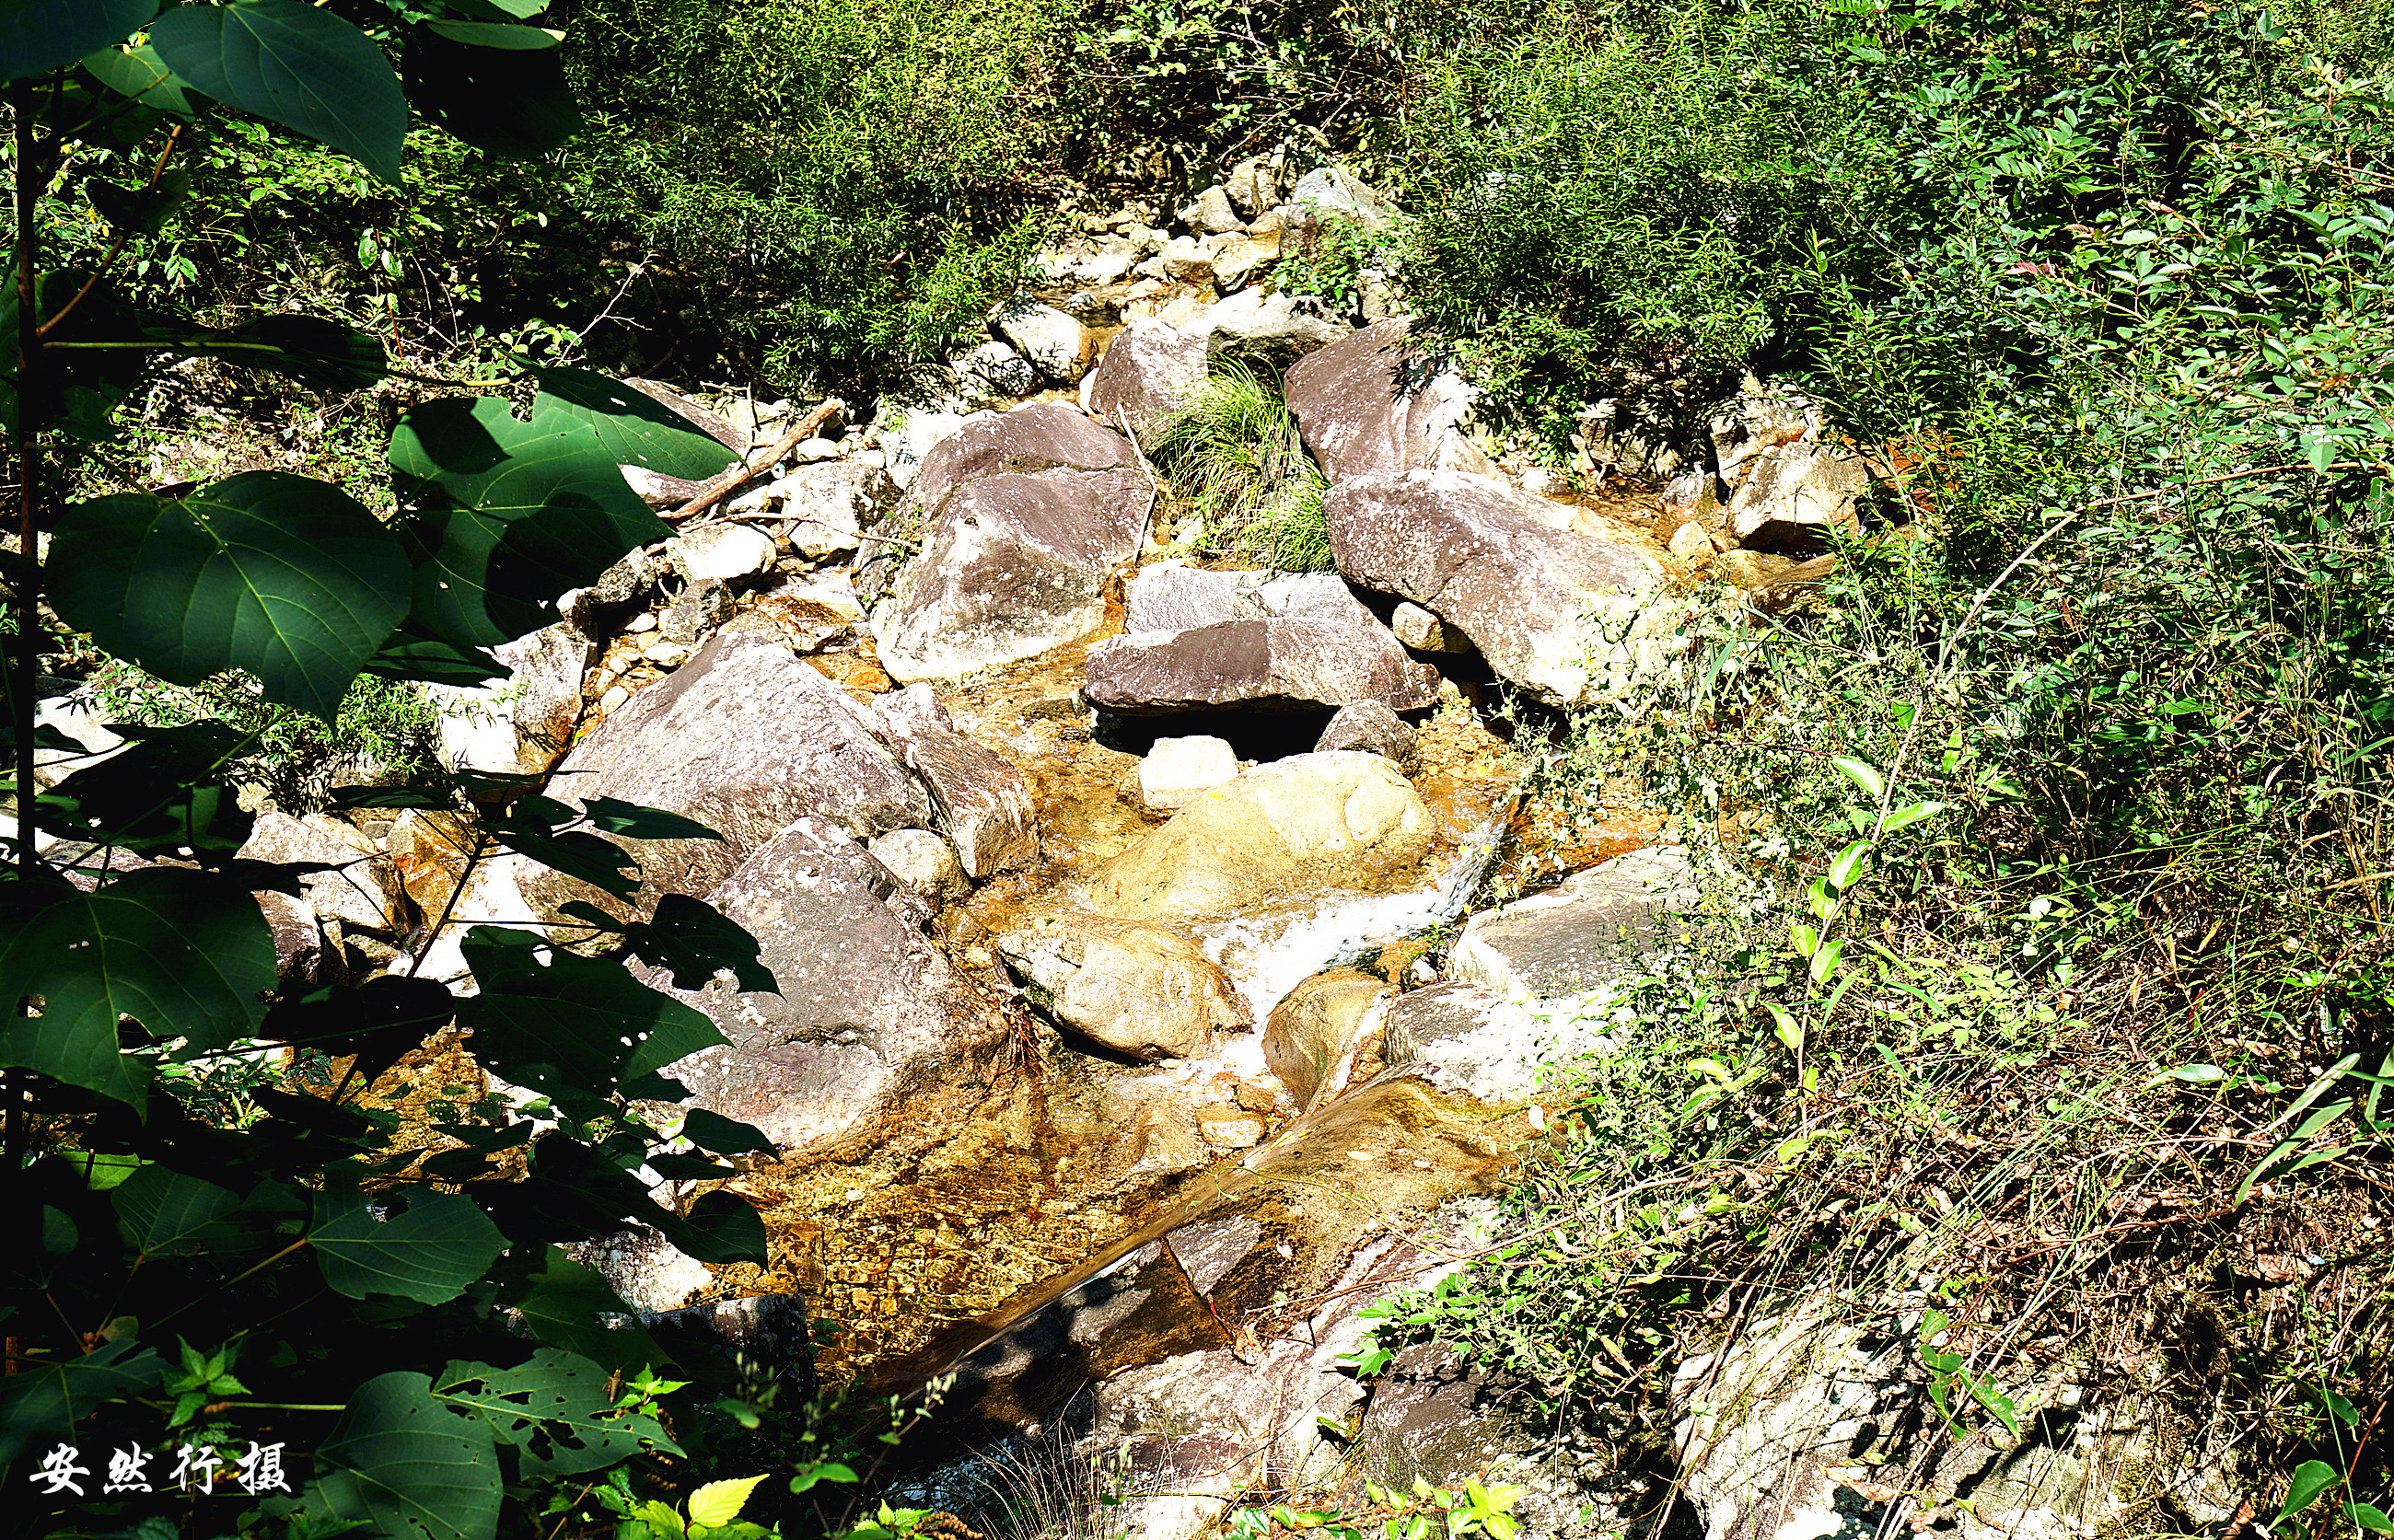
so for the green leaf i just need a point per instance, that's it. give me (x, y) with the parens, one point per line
(695, 942)
(183, 953)
(135, 70)
(1848, 864)
(1802, 937)
(288, 579)
(378, 1022)
(554, 1409)
(1862, 774)
(721, 1502)
(675, 1166)
(2193, 1074)
(428, 1254)
(1905, 818)
(430, 661)
(499, 34)
(1824, 961)
(562, 1303)
(507, 515)
(2366, 1516)
(162, 793)
(292, 64)
(400, 1461)
(140, 211)
(636, 822)
(720, 1228)
(2311, 1478)
(46, 1398)
(161, 1211)
(585, 856)
(39, 35)
(584, 1019)
(636, 428)
(820, 1470)
(720, 1135)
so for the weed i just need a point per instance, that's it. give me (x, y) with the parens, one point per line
(1236, 451)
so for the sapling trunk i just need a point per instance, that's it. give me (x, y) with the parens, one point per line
(25, 656)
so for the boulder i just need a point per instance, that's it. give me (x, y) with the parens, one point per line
(812, 615)
(697, 611)
(1370, 402)
(1186, 260)
(1177, 771)
(1789, 498)
(355, 897)
(1237, 258)
(1055, 342)
(744, 738)
(1141, 989)
(1272, 664)
(720, 553)
(1211, 212)
(1005, 372)
(1432, 1417)
(596, 612)
(1469, 1039)
(519, 726)
(1150, 372)
(922, 860)
(1332, 192)
(1313, 1036)
(870, 1035)
(827, 504)
(1423, 631)
(908, 444)
(1173, 597)
(1302, 826)
(983, 803)
(1025, 515)
(1371, 727)
(1095, 261)
(1269, 332)
(1568, 617)
(1254, 184)
(1579, 936)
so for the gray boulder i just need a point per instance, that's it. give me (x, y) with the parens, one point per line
(744, 738)
(1314, 1035)
(984, 803)
(355, 896)
(826, 504)
(1568, 617)
(1054, 341)
(1005, 372)
(1374, 728)
(1211, 212)
(1332, 192)
(519, 726)
(1024, 517)
(1149, 371)
(1141, 989)
(870, 1035)
(1580, 935)
(1370, 402)
(1274, 663)
(1271, 332)
(922, 860)
(1182, 598)
(1790, 497)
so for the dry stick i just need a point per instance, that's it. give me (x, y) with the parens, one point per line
(718, 489)
(117, 248)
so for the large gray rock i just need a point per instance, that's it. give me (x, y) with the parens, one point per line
(826, 504)
(1280, 663)
(1568, 617)
(356, 896)
(1370, 402)
(1296, 829)
(1333, 193)
(1371, 727)
(1170, 597)
(1790, 497)
(1141, 989)
(1056, 343)
(1271, 332)
(1149, 371)
(984, 803)
(520, 725)
(1024, 517)
(744, 738)
(871, 1037)
(1314, 1035)
(1580, 935)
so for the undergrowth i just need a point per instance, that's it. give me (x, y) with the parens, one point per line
(1234, 448)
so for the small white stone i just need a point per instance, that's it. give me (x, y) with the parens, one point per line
(808, 450)
(666, 654)
(645, 620)
(1178, 771)
(616, 694)
(1689, 544)
(922, 860)
(724, 552)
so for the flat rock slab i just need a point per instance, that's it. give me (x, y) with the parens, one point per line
(744, 738)
(1277, 663)
(1579, 936)
(1371, 402)
(1025, 515)
(1169, 598)
(1570, 617)
(871, 1037)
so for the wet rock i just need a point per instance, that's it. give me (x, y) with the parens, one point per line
(1141, 989)
(1578, 936)
(1370, 402)
(1177, 771)
(983, 803)
(1308, 825)
(1025, 516)
(922, 860)
(1313, 1036)
(1150, 372)
(744, 738)
(720, 553)
(872, 1037)
(356, 896)
(519, 726)
(1371, 727)
(698, 611)
(1568, 617)
(1423, 631)
(1269, 331)
(1004, 370)
(1335, 192)
(1056, 343)
(827, 504)
(1271, 664)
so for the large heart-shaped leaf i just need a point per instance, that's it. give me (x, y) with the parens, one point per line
(562, 1302)
(636, 428)
(289, 578)
(184, 953)
(428, 1254)
(159, 1210)
(136, 70)
(506, 516)
(44, 1398)
(554, 1408)
(403, 1462)
(291, 63)
(36, 35)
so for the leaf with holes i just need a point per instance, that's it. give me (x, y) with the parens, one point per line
(403, 1463)
(584, 1019)
(184, 953)
(554, 1410)
(695, 942)
(291, 63)
(288, 579)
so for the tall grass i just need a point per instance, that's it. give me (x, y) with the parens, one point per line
(1235, 451)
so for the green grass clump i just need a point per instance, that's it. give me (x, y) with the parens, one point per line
(1237, 455)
